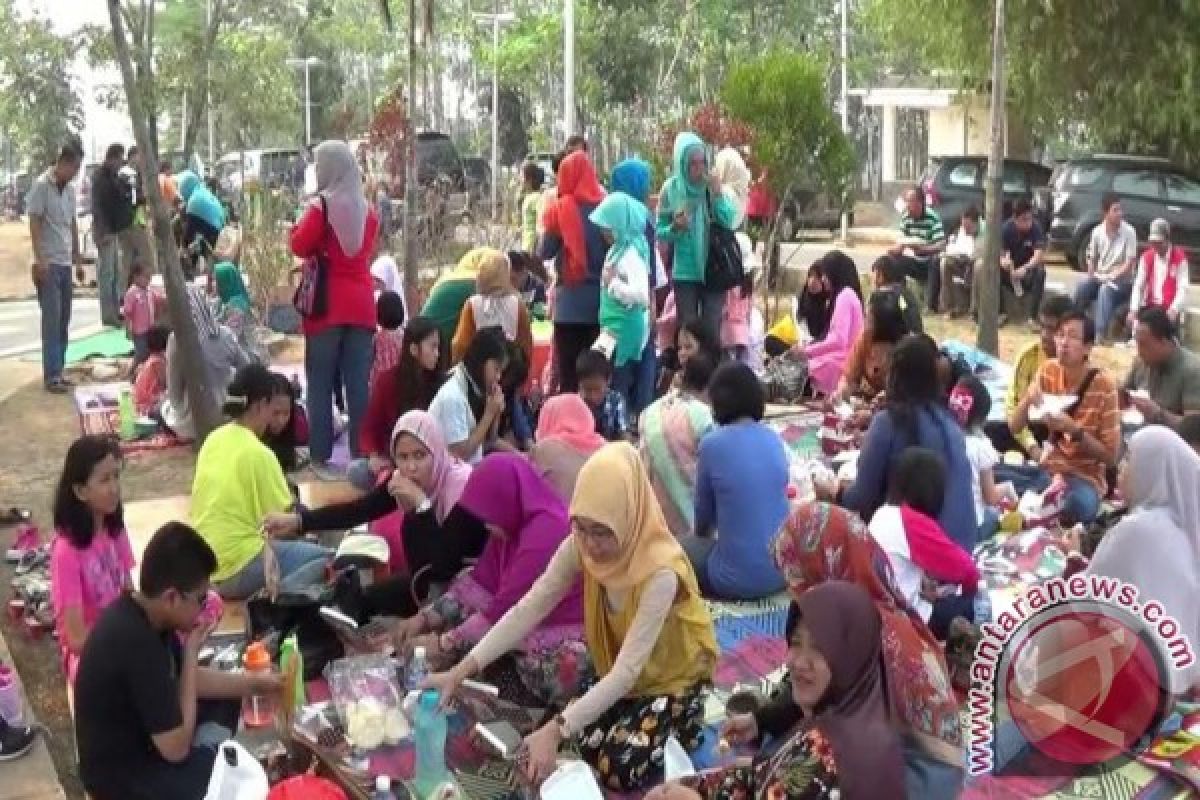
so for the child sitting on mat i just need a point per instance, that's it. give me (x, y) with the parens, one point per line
(151, 382)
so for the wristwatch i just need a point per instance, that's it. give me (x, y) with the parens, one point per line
(564, 730)
(426, 504)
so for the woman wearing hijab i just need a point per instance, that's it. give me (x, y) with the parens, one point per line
(835, 741)
(566, 438)
(412, 509)
(625, 286)
(689, 202)
(204, 217)
(820, 543)
(341, 226)
(222, 356)
(647, 629)
(671, 430)
(827, 356)
(730, 170)
(576, 246)
(1156, 547)
(495, 304)
(632, 177)
(526, 522)
(450, 293)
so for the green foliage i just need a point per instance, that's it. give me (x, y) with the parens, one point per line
(1123, 73)
(39, 108)
(782, 97)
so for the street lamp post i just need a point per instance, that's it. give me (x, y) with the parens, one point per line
(307, 63)
(568, 68)
(496, 18)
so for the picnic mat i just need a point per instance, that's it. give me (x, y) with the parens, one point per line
(108, 343)
(750, 638)
(96, 405)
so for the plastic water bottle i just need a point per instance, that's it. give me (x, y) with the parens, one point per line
(383, 789)
(12, 706)
(258, 710)
(417, 670)
(983, 605)
(429, 729)
(127, 415)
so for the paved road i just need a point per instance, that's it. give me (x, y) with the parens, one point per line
(20, 324)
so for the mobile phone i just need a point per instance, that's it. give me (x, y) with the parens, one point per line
(501, 737)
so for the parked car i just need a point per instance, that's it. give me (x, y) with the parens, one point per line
(953, 183)
(810, 208)
(271, 168)
(479, 179)
(1149, 188)
(437, 157)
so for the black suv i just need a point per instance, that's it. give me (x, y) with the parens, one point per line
(1149, 188)
(953, 183)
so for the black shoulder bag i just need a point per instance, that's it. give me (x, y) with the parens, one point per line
(723, 269)
(311, 297)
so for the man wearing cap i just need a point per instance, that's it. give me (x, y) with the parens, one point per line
(1161, 280)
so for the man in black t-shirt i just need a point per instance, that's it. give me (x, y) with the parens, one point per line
(142, 734)
(1023, 245)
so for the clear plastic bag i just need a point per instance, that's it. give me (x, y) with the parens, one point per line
(368, 700)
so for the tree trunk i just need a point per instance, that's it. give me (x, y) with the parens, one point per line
(200, 82)
(988, 310)
(200, 397)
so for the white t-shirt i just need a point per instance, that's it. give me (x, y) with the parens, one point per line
(628, 280)
(452, 411)
(981, 455)
(887, 528)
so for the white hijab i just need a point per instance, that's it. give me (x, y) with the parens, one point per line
(734, 176)
(1157, 547)
(339, 180)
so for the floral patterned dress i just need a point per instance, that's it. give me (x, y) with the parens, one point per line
(803, 768)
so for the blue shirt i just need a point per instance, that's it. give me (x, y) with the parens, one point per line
(612, 418)
(741, 491)
(937, 431)
(579, 304)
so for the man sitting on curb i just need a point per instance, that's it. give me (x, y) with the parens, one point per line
(148, 719)
(1162, 276)
(1164, 370)
(963, 256)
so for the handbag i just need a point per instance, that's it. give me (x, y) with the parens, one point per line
(723, 269)
(311, 297)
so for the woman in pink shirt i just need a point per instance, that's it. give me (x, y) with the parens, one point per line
(90, 558)
(827, 357)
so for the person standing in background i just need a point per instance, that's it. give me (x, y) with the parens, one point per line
(112, 215)
(533, 177)
(55, 237)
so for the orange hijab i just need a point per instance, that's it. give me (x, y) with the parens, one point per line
(577, 184)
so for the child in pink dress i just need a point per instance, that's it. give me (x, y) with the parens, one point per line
(827, 357)
(90, 558)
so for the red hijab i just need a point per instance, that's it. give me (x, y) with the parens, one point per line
(577, 184)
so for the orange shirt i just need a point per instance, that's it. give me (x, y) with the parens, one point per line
(1098, 412)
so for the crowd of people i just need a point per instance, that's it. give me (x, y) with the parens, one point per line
(560, 533)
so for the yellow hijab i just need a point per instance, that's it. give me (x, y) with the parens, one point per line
(614, 490)
(494, 274)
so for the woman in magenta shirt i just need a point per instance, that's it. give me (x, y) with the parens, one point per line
(342, 226)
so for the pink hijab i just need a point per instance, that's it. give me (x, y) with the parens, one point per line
(449, 474)
(567, 418)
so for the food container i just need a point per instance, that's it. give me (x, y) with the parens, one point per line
(834, 441)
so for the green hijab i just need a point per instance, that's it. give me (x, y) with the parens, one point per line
(230, 287)
(626, 219)
(682, 194)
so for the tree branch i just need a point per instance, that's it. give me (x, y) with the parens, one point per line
(201, 83)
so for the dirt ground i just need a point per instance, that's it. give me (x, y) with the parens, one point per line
(15, 258)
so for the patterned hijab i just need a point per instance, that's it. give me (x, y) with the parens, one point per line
(821, 542)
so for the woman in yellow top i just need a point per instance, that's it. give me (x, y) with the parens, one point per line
(495, 304)
(238, 482)
(647, 629)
